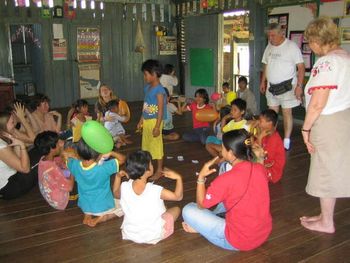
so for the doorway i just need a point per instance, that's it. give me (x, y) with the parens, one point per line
(235, 49)
(27, 64)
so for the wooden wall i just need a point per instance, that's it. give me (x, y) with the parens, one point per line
(120, 65)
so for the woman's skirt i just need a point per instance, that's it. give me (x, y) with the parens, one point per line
(329, 174)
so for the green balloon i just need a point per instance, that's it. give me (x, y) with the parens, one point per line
(97, 137)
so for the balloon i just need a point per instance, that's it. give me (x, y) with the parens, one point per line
(230, 96)
(97, 137)
(124, 110)
(207, 115)
(205, 4)
(215, 96)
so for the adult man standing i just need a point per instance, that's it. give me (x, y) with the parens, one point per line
(284, 84)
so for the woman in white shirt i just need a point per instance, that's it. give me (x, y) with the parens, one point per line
(326, 127)
(168, 78)
(15, 176)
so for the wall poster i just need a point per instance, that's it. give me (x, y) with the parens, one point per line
(281, 19)
(88, 44)
(59, 49)
(89, 80)
(167, 45)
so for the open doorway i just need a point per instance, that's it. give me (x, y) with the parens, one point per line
(235, 47)
(27, 61)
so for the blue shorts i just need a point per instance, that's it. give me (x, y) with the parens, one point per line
(214, 140)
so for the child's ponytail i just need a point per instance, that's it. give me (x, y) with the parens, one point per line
(240, 143)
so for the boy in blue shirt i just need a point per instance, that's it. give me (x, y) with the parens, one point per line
(94, 187)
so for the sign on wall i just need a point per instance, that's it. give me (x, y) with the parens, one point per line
(89, 80)
(167, 45)
(88, 44)
(59, 49)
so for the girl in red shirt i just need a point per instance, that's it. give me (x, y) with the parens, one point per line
(242, 193)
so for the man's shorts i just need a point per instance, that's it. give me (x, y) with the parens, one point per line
(286, 100)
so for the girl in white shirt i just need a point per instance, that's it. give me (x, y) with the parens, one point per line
(168, 78)
(146, 220)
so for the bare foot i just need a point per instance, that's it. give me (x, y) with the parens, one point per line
(318, 226)
(99, 219)
(87, 219)
(187, 228)
(156, 176)
(310, 218)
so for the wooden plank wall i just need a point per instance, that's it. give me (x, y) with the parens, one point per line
(120, 64)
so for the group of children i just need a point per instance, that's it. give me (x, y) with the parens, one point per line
(146, 219)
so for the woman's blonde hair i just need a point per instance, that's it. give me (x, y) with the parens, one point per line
(100, 99)
(323, 31)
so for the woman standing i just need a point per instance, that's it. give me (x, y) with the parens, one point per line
(326, 127)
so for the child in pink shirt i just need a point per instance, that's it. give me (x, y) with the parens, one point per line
(55, 181)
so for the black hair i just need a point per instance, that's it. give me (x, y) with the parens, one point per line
(112, 103)
(243, 79)
(167, 92)
(152, 66)
(38, 99)
(225, 111)
(79, 104)
(270, 115)
(85, 151)
(240, 104)
(238, 141)
(168, 68)
(137, 164)
(45, 141)
(204, 94)
(226, 84)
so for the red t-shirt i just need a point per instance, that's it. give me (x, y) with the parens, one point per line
(244, 192)
(193, 107)
(276, 156)
(53, 185)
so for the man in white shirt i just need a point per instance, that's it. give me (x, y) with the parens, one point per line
(280, 60)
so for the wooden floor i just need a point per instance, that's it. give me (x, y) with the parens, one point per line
(31, 231)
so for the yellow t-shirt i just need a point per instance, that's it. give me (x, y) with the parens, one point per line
(76, 128)
(233, 125)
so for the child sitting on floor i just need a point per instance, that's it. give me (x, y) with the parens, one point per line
(238, 107)
(268, 146)
(168, 127)
(93, 178)
(200, 128)
(77, 116)
(55, 180)
(217, 139)
(146, 220)
(113, 124)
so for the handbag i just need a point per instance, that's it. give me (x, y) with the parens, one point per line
(281, 88)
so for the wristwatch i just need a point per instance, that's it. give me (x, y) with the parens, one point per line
(300, 85)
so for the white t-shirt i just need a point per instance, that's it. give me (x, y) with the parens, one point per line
(168, 81)
(5, 171)
(114, 127)
(331, 72)
(249, 97)
(143, 221)
(281, 61)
